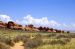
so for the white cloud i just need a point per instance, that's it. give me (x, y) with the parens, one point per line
(54, 23)
(38, 22)
(73, 25)
(68, 26)
(5, 18)
(45, 22)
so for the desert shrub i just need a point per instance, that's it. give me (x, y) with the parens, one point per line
(33, 43)
(67, 40)
(38, 36)
(17, 38)
(57, 41)
(4, 46)
(46, 42)
(51, 35)
(7, 41)
(68, 31)
(72, 35)
(60, 41)
(62, 36)
(23, 38)
(53, 42)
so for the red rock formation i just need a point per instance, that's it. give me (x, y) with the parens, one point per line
(10, 25)
(1, 24)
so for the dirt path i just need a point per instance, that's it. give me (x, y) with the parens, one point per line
(18, 46)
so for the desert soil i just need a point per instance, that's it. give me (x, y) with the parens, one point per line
(18, 46)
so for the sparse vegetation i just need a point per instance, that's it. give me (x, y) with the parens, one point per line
(4, 46)
(33, 43)
(22, 38)
(36, 40)
(7, 41)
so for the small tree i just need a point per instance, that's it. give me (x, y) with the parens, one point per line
(62, 31)
(31, 26)
(51, 29)
(47, 29)
(44, 28)
(68, 31)
(40, 28)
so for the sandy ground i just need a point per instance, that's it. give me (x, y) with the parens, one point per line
(18, 46)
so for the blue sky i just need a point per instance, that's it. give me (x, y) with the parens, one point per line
(58, 11)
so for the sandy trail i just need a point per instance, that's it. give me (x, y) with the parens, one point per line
(18, 46)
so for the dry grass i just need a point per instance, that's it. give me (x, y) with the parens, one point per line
(37, 40)
(4, 46)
